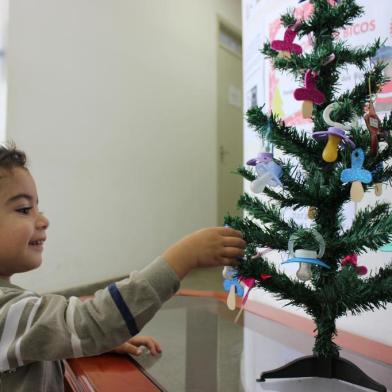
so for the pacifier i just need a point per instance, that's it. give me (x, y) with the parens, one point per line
(356, 175)
(287, 47)
(335, 135)
(268, 172)
(232, 285)
(309, 94)
(305, 257)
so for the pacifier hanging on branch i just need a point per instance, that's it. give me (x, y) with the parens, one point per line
(306, 258)
(287, 47)
(249, 283)
(352, 260)
(309, 94)
(232, 285)
(356, 175)
(335, 135)
(374, 125)
(268, 172)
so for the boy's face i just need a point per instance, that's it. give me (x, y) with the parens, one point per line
(22, 226)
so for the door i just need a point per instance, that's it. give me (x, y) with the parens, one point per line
(230, 121)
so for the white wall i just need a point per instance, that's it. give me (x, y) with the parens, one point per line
(115, 104)
(3, 81)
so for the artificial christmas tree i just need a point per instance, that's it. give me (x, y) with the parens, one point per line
(346, 154)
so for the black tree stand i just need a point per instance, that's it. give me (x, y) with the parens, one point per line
(312, 366)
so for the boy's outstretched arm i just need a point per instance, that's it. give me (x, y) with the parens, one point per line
(51, 327)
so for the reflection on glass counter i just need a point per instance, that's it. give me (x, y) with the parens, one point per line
(204, 350)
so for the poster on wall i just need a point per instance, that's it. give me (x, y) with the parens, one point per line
(365, 30)
(280, 86)
(266, 86)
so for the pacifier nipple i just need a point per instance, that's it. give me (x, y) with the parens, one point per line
(258, 185)
(304, 272)
(330, 153)
(356, 191)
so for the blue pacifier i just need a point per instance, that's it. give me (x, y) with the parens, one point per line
(356, 175)
(306, 257)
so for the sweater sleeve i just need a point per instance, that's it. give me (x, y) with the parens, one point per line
(51, 327)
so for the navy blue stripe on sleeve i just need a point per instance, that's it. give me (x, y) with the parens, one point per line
(123, 309)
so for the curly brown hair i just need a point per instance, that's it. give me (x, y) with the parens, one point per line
(11, 157)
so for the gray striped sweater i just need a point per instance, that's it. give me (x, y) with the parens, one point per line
(38, 331)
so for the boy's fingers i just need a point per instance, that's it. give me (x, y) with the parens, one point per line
(234, 242)
(230, 262)
(228, 231)
(129, 349)
(149, 342)
(153, 346)
(232, 253)
(157, 346)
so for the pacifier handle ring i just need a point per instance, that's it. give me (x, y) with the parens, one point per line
(316, 235)
(357, 158)
(326, 116)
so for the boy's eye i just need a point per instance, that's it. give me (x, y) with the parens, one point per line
(24, 210)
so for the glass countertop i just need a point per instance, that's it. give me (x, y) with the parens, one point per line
(203, 350)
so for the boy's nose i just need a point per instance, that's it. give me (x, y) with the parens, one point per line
(42, 222)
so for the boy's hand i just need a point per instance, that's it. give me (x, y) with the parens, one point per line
(213, 247)
(132, 346)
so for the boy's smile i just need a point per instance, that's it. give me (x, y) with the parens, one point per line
(22, 226)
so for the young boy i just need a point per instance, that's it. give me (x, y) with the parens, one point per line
(37, 332)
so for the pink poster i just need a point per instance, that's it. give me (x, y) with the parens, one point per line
(373, 24)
